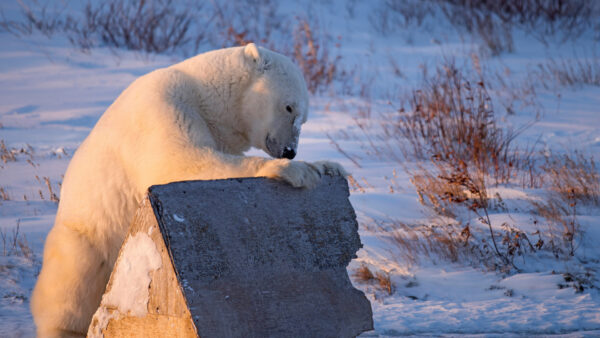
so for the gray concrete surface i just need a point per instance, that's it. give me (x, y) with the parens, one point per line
(258, 258)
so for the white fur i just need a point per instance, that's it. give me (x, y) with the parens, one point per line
(192, 120)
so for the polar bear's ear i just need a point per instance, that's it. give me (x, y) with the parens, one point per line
(260, 62)
(251, 52)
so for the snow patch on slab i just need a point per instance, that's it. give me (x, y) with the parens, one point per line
(129, 291)
(130, 281)
(103, 316)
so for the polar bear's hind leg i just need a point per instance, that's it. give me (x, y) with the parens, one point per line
(60, 282)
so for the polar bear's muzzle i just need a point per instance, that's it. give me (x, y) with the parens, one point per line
(288, 153)
(278, 151)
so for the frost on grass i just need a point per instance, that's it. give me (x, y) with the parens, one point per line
(130, 281)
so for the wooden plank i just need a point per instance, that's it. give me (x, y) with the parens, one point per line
(151, 325)
(167, 313)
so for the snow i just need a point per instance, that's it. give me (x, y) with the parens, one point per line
(464, 300)
(131, 279)
(51, 95)
(103, 316)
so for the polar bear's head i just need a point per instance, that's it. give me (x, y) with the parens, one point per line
(276, 102)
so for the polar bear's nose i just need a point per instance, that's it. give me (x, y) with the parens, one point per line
(289, 153)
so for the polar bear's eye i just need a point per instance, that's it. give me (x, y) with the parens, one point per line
(289, 109)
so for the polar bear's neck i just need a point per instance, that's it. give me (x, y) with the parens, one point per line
(221, 77)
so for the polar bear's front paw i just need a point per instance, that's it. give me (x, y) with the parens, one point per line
(329, 168)
(300, 174)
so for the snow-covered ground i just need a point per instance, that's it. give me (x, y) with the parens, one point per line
(51, 95)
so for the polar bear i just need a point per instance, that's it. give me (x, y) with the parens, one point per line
(189, 121)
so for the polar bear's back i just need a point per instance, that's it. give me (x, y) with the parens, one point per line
(99, 187)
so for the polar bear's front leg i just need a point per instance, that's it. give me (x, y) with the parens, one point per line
(209, 164)
(299, 174)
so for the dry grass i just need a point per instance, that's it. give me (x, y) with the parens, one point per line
(456, 243)
(574, 177)
(15, 243)
(51, 193)
(569, 72)
(381, 280)
(364, 274)
(513, 93)
(418, 241)
(355, 185)
(4, 194)
(12, 154)
(46, 182)
(573, 181)
(384, 282)
(7, 155)
(337, 146)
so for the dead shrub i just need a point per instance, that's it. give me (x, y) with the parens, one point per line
(493, 21)
(154, 26)
(309, 46)
(312, 55)
(151, 26)
(394, 14)
(160, 26)
(451, 120)
(241, 22)
(455, 149)
(540, 18)
(38, 17)
(459, 147)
